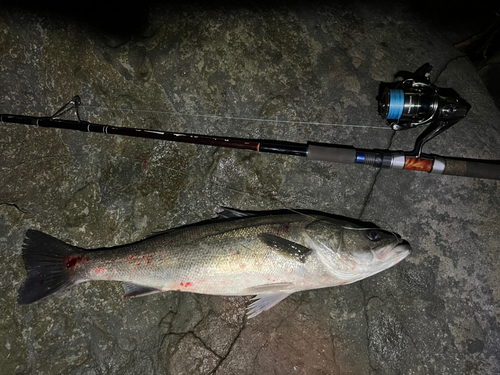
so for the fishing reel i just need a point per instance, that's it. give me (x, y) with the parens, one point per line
(414, 102)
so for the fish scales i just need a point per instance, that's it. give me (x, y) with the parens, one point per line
(269, 256)
(224, 258)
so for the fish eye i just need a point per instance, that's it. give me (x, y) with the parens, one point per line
(373, 235)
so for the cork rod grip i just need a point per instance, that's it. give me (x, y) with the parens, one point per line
(488, 169)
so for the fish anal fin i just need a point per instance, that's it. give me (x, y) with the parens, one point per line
(135, 290)
(264, 302)
(285, 247)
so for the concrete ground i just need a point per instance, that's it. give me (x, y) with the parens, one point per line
(229, 70)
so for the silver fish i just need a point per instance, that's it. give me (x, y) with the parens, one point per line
(267, 256)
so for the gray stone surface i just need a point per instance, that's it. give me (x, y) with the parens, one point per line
(435, 313)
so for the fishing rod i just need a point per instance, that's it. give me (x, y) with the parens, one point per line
(406, 104)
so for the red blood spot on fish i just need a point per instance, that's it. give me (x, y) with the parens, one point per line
(283, 231)
(131, 257)
(112, 260)
(182, 284)
(100, 270)
(188, 284)
(138, 264)
(148, 259)
(144, 163)
(179, 290)
(72, 261)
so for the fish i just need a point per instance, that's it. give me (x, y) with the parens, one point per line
(269, 256)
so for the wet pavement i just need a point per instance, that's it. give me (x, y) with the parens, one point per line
(295, 73)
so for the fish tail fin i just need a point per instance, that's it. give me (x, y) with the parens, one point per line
(48, 262)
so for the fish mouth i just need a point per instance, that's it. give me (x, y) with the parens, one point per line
(393, 253)
(403, 247)
(399, 252)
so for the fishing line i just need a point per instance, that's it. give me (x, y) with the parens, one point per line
(252, 119)
(357, 228)
(294, 122)
(219, 117)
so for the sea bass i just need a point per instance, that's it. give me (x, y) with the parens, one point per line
(268, 256)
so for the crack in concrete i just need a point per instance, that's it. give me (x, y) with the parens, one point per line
(446, 66)
(368, 196)
(334, 354)
(164, 336)
(183, 335)
(191, 331)
(205, 345)
(222, 359)
(270, 336)
(365, 310)
(12, 205)
(372, 187)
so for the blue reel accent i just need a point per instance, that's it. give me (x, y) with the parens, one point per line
(396, 104)
(360, 157)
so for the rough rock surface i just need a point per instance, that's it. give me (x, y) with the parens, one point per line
(296, 73)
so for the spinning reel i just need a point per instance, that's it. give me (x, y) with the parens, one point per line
(415, 101)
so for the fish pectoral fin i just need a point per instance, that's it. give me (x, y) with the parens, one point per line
(264, 302)
(267, 288)
(285, 247)
(267, 295)
(135, 290)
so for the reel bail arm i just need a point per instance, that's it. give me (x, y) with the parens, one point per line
(413, 102)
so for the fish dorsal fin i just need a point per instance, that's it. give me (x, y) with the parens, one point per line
(135, 290)
(229, 213)
(285, 247)
(264, 302)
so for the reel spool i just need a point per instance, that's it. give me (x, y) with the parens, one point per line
(409, 108)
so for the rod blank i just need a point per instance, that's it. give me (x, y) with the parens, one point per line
(488, 169)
